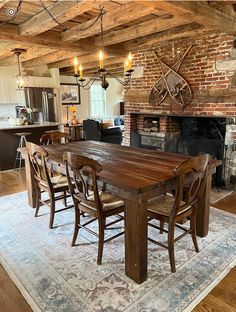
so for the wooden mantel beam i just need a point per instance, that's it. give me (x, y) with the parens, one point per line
(201, 13)
(124, 14)
(62, 11)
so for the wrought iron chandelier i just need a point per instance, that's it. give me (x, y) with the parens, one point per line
(102, 73)
(20, 82)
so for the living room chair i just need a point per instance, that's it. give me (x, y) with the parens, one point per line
(54, 137)
(97, 204)
(93, 131)
(45, 183)
(180, 204)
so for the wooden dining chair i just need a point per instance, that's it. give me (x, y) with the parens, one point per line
(181, 204)
(54, 137)
(98, 204)
(45, 183)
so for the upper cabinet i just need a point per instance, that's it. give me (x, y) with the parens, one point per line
(39, 82)
(9, 94)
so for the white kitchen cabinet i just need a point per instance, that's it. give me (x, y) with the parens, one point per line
(8, 92)
(39, 82)
(3, 90)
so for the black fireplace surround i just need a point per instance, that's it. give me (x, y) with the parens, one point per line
(198, 135)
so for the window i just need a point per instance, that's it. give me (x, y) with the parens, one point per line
(97, 100)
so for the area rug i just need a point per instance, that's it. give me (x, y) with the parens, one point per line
(54, 277)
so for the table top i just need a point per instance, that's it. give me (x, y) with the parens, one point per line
(132, 168)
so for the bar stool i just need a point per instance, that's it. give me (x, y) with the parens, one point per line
(22, 143)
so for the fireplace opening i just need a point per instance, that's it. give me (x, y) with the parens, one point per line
(186, 135)
(151, 124)
(202, 135)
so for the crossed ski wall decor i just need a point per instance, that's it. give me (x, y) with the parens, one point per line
(171, 83)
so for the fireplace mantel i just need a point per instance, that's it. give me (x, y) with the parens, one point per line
(178, 115)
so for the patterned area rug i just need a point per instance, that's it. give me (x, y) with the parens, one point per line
(56, 277)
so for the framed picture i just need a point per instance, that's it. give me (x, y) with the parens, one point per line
(70, 94)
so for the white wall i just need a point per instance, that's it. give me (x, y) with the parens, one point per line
(113, 98)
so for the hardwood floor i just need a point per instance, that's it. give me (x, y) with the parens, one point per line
(11, 300)
(221, 299)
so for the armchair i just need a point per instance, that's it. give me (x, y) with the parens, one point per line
(93, 131)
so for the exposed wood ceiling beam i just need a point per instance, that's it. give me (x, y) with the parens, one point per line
(62, 11)
(142, 29)
(49, 58)
(202, 13)
(3, 2)
(126, 13)
(83, 59)
(189, 30)
(6, 48)
(34, 41)
(69, 61)
(29, 54)
(94, 64)
(83, 45)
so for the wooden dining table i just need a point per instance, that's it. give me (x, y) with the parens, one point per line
(136, 175)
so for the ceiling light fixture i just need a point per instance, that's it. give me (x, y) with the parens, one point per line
(102, 73)
(20, 82)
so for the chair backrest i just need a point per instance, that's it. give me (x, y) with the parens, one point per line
(192, 175)
(91, 130)
(75, 164)
(37, 159)
(54, 137)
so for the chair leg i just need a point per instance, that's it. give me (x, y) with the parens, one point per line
(193, 231)
(171, 246)
(161, 226)
(52, 211)
(77, 222)
(101, 223)
(38, 204)
(64, 199)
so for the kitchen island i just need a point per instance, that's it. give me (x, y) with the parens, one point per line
(9, 141)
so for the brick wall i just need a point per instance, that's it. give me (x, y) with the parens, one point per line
(214, 91)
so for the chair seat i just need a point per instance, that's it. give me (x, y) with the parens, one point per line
(109, 201)
(163, 204)
(57, 181)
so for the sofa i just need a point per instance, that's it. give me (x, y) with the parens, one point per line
(93, 130)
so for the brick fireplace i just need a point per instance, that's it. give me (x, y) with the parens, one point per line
(211, 78)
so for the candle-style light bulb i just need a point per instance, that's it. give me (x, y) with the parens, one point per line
(80, 71)
(130, 57)
(126, 65)
(101, 59)
(76, 65)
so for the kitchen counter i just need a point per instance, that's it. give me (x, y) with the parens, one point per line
(9, 141)
(4, 125)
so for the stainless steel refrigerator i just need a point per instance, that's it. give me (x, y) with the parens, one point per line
(42, 101)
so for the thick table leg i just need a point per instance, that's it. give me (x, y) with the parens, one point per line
(30, 184)
(136, 240)
(203, 210)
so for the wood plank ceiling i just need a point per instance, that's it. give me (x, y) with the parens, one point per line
(55, 31)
